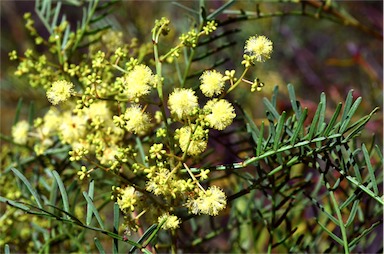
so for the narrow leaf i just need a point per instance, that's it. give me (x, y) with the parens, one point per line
(321, 124)
(332, 122)
(29, 186)
(332, 235)
(271, 108)
(275, 92)
(94, 210)
(299, 126)
(312, 128)
(347, 106)
(56, 14)
(218, 11)
(260, 140)
(18, 109)
(116, 223)
(294, 102)
(355, 241)
(99, 246)
(279, 130)
(370, 170)
(352, 214)
(351, 112)
(89, 209)
(144, 236)
(63, 192)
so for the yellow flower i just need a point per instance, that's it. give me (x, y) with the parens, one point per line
(72, 128)
(220, 113)
(52, 121)
(136, 121)
(172, 221)
(139, 81)
(20, 132)
(127, 199)
(259, 48)
(182, 102)
(212, 83)
(60, 91)
(192, 138)
(210, 202)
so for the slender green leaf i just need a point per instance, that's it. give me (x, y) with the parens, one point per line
(294, 102)
(260, 140)
(356, 240)
(299, 126)
(94, 210)
(332, 235)
(56, 14)
(345, 123)
(279, 130)
(332, 122)
(219, 10)
(352, 214)
(349, 200)
(99, 245)
(370, 170)
(139, 147)
(347, 106)
(116, 223)
(29, 186)
(91, 189)
(63, 192)
(312, 128)
(321, 124)
(146, 234)
(18, 109)
(185, 8)
(271, 108)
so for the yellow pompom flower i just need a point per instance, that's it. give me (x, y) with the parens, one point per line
(139, 81)
(127, 199)
(136, 121)
(172, 221)
(212, 83)
(259, 48)
(210, 202)
(73, 128)
(182, 102)
(220, 113)
(192, 138)
(20, 132)
(59, 91)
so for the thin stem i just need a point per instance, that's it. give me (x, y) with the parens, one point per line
(237, 82)
(340, 218)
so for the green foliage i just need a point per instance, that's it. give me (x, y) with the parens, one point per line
(307, 182)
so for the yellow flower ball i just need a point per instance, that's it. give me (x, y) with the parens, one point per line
(182, 102)
(220, 113)
(60, 91)
(212, 83)
(259, 48)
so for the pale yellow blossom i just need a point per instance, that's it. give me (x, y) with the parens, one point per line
(220, 113)
(60, 91)
(182, 102)
(212, 83)
(20, 132)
